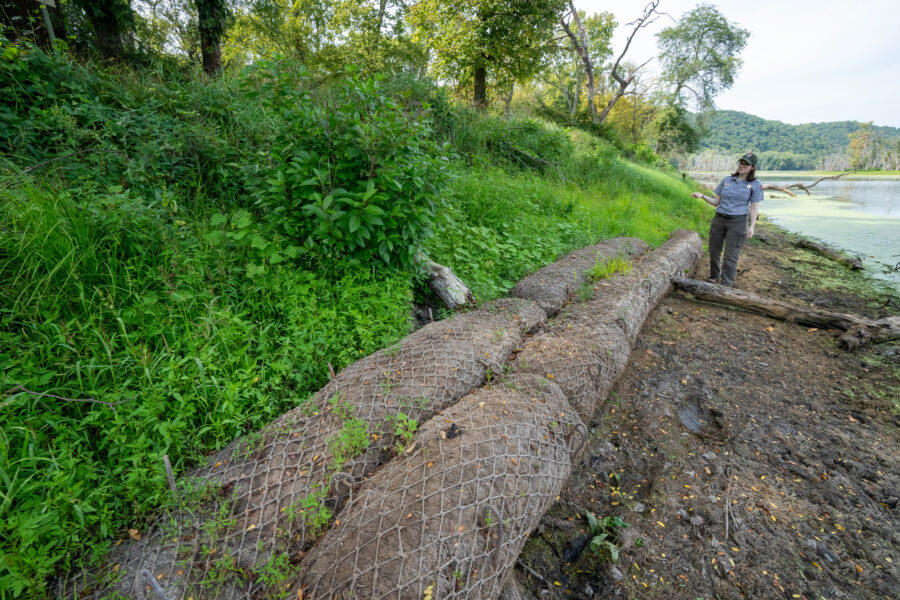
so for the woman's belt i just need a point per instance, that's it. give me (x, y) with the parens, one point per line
(724, 216)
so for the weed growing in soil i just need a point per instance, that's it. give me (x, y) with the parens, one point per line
(605, 534)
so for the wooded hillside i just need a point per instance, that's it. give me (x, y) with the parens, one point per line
(782, 146)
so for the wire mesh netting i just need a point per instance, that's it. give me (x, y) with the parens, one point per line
(585, 348)
(454, 514)
(554, 285)
(430, 491)
(268, 495)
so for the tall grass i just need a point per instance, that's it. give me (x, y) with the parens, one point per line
(111, 294)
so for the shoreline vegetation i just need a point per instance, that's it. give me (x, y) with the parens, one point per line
(156, 304)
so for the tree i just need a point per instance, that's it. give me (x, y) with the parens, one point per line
(674, 132)
(212, 19)
(111, 20)
(624, 79)
(590, 40)
(699, 56)
(471, 36)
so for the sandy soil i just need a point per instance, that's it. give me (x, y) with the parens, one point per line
(751, 458)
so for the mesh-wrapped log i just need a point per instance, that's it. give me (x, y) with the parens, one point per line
(584, 350)
(453, 515)
(554, 285)
(270, 494)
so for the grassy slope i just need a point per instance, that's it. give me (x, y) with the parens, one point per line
(111, 292)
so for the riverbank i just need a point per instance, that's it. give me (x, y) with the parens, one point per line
(750, 457)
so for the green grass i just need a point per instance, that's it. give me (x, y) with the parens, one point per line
(111, 293)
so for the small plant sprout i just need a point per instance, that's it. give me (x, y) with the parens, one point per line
(605, 535)
(403, 427)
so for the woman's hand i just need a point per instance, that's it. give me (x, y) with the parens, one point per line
(698, 195)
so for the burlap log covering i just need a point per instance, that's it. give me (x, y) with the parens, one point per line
(585, 348)
(554, 285)
(268, 495)
(452, 516)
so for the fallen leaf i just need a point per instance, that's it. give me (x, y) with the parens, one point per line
(811, 329)
(251, 527)
(134, 534)
(770, 328)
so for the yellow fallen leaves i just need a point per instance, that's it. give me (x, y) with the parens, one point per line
(428, 592)
(134, 534)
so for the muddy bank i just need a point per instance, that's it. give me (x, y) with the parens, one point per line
(750, 458)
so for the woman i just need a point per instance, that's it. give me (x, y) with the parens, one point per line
(737, 205)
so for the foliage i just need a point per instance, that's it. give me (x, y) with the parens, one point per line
(699, 56)
(402, 427)
(605, 534)
(675, 134)
(472, 36)
(352, 174)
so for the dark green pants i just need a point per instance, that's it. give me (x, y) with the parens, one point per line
(730, 231)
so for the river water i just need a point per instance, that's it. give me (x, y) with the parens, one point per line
(860, 215)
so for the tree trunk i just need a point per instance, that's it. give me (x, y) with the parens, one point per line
(212, 55)
(579, 42)
(211, 15)
(859, 330)
(23, 18)
(480, 98)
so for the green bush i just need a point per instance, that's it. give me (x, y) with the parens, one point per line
(353, 174)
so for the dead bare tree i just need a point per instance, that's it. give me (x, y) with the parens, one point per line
(802, 186)
(580, 44)
(650, 15)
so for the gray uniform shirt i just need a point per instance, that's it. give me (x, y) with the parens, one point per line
(736, 195)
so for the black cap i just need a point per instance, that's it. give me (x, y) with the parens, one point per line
(749, 158)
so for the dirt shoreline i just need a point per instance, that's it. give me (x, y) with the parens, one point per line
(751, 458)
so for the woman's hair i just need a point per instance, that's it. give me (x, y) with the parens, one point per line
(751, 176)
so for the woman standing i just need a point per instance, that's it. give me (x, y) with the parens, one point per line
(737, 205)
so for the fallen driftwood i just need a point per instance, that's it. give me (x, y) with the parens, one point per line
(448, 286)
(851, 263)
(802, 186)
(858, 330)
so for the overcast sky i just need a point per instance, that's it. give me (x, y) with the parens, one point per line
(806, 61)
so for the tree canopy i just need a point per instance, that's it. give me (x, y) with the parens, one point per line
(699, 56)
(469, 37)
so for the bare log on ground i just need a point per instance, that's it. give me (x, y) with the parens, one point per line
(850, 263)
(858, 330)
(802, 186)
(448, 286)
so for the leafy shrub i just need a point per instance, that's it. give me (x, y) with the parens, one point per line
(352, 175)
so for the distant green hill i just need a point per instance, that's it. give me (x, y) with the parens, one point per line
(780, 145)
